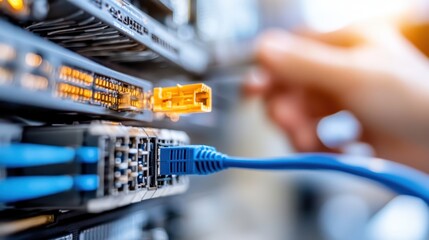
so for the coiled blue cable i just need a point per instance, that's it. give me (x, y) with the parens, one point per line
(203, 160)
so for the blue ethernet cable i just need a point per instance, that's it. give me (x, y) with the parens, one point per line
(30, 155)
(23, 155)
(203, 160)
(13, 189)
(22, 188)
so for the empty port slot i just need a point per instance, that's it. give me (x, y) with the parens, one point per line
(75, 93)
(107, 83)
(33, 60)
(8, 53)
(133, 163)
(34, 82)
(6, 76)
(108, 100)
(117, 95)
(76, 76)
(143, 162)
(153, 163)
(108, 167)
(131, 98)
(121, 164)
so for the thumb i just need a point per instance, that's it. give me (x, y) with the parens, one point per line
(300, 61)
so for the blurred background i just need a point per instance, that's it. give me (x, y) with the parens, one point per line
(287, 205)
(244, 204)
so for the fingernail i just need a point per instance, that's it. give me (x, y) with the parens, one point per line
(257, 76)
(255, 82)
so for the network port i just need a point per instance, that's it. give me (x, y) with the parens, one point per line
(8, 53)
(34, 82)
(119, 96)
(75, 93)
(153, 167)
(6, 76)
(95, 89)
(133, 163)
(131, 100)
(73, 75)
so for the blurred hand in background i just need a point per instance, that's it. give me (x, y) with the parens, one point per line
(373, 72)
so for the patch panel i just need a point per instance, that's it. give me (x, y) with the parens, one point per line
(117, 31)
(127, 167)
(45, 73)
(37, 73)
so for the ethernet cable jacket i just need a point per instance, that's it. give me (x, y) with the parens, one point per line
(203, 160)
(95, 167)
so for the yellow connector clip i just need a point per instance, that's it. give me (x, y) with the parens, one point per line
(193, 98)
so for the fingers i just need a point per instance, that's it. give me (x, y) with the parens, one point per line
(257, 82)
(295, 69)
(300, 61)
(347, 37)
(382, 36)
(288, 111)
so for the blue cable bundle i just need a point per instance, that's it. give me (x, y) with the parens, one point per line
(202, 160)
(18, 188)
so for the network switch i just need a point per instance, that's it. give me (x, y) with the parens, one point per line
(37, 73)
(123, 170)
(117, 31)
(67, 68)
(40, 74)
(139, 221)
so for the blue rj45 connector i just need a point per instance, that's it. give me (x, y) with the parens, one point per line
(202, 160)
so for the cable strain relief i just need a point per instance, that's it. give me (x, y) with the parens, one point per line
(209, 161)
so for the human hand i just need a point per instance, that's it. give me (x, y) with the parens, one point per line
(375, 74)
